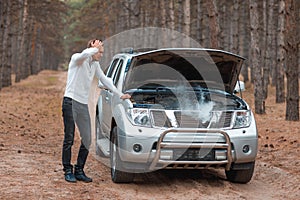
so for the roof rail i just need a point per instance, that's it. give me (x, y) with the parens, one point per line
(131, 50)
(145, 49)
(127, 50)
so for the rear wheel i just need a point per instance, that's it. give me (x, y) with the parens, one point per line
(241, 175)
(118, 174)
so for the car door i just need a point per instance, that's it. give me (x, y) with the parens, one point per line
(114, 73)
(106, 104)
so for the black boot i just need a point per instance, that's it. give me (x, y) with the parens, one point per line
(80, 175)
(69, 176)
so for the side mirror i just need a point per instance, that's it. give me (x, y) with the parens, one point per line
(239, 87)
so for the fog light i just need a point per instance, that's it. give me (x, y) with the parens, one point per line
(220, 154)
(166, 154)
(246, 148)
(137, 147)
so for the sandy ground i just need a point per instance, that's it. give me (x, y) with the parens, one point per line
(31, 134)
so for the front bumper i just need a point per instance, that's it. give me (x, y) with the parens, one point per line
(158, 150)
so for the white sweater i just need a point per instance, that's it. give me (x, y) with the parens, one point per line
(81, 72)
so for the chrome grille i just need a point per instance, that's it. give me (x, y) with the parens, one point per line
(188, 121)
(224, 120)
(160, 118)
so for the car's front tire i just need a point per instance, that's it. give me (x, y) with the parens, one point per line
(118, 173)
(241, 175)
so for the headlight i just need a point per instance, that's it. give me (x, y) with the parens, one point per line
(139, 116)
(242, 119)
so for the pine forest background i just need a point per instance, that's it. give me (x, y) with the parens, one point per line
(42, 34)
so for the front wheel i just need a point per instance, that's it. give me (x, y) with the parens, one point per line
(118, 173)
(241, 175)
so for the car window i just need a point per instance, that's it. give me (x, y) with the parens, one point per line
(127, 65)
(118, 72)
(112, 68)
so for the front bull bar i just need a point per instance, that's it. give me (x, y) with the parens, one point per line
(169, 145)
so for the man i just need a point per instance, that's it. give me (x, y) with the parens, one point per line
(82, 69)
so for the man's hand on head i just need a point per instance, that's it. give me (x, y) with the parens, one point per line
(97, 43)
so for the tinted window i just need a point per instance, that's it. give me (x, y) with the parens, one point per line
(118, 72)
(112, 68)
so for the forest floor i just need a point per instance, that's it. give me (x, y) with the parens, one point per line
(31, 134)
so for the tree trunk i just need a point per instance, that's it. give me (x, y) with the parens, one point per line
(6, 55)
(271, 41)
(280, 93)
(2, 14)
(198, 28)
(265, 67)
(256, 58)
(163, 23)
(226, 24)
(204, 37)
(214, 26)
(178, 14)
(171, 22)
(136, 10)
(273, 13)
(235, 22)
(28, 43)
(20, 71)
(243, 37)
(33, 49)
(292, 98)
(186, 22)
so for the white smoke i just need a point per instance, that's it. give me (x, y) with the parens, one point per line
(194, 106)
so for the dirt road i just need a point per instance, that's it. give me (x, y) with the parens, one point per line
(31, 133)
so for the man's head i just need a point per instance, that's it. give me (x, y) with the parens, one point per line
(98, 44)
(99, 54)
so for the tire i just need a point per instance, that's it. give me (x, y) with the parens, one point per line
(98, 135)
(118, 174)
(241, 175)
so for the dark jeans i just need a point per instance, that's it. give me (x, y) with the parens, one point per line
(75, 113)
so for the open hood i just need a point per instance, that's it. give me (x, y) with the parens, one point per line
(210, 68)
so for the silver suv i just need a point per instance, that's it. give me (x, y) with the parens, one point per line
(184, 114)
